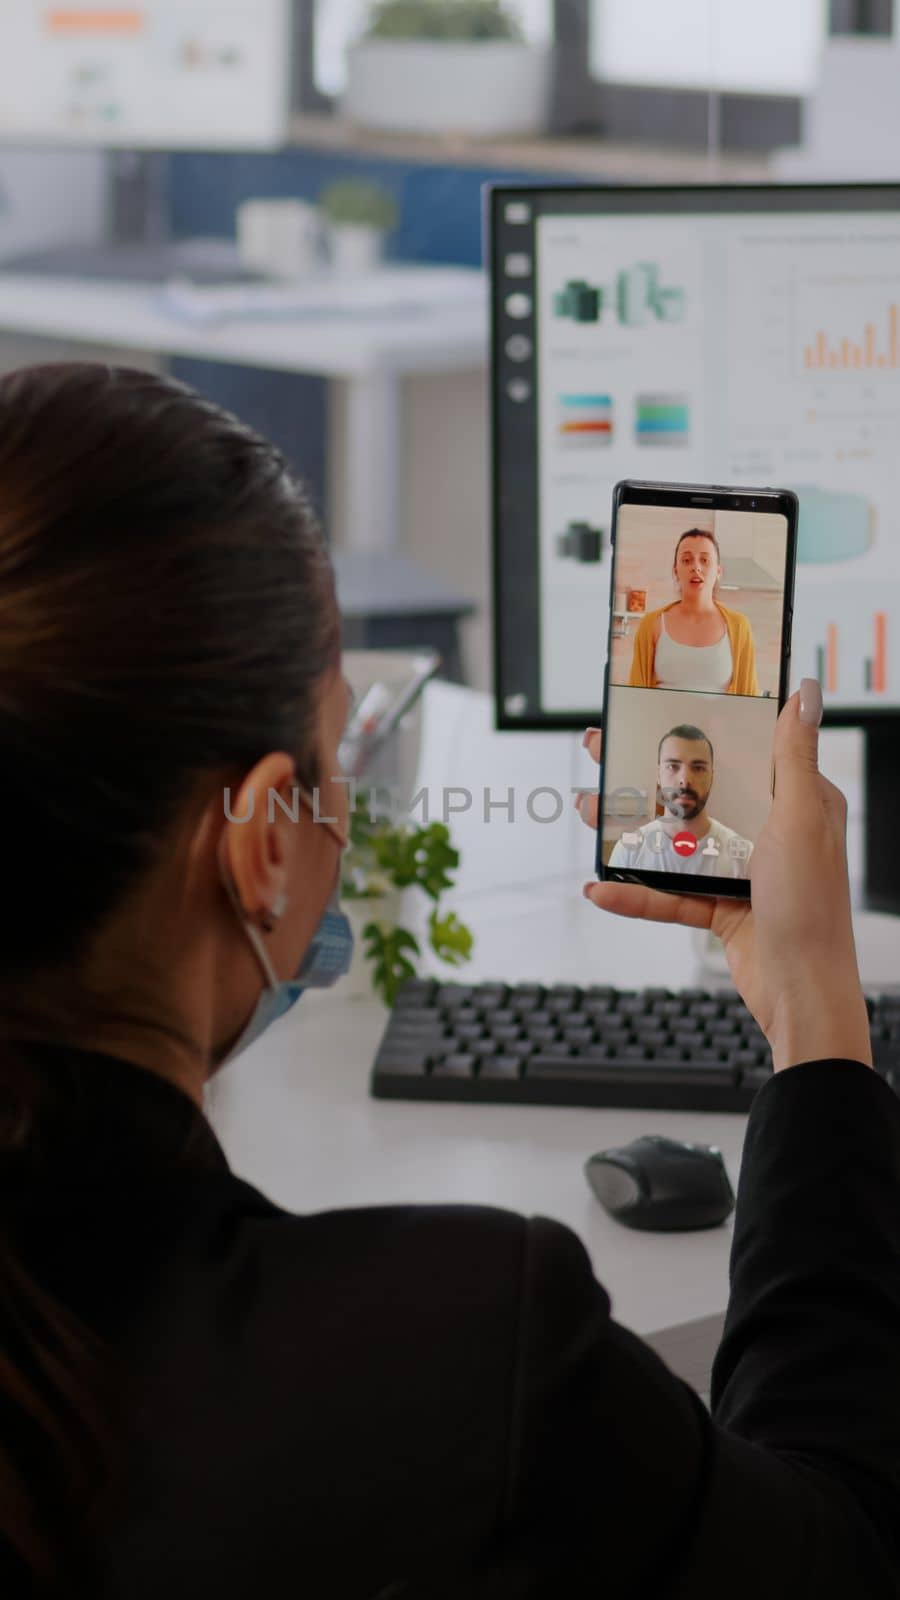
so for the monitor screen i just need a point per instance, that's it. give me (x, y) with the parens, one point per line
(746, 335)
(157, 74)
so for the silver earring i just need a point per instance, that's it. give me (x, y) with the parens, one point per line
(271, 917)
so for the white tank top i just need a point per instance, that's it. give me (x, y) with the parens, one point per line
(706, 667)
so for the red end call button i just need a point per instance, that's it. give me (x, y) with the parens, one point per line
(684, 844)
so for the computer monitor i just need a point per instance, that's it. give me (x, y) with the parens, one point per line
(745, 335)
(147, 74)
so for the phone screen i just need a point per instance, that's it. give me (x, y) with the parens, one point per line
(697, 673)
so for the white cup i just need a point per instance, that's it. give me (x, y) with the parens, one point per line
(282, 237)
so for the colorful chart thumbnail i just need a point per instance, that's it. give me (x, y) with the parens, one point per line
(579, 301)
(585, 419)
(579, 541)
(662, 419)
(640, 297)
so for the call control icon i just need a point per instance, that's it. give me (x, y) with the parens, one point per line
(684, 844)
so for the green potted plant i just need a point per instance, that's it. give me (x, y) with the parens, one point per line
(359, 214)
(447, 66)
(385, 859)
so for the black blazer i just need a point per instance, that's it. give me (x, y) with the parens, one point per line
(434, 1402)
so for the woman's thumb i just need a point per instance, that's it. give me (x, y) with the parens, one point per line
(797, 742)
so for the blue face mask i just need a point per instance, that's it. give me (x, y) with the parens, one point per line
(327, 958)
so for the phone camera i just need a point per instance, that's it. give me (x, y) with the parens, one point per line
(752, 505)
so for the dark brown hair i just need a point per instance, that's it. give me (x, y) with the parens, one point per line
(167, 617)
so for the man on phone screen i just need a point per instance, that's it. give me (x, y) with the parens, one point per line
(685, 838)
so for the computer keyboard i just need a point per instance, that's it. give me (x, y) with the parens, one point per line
(524, 1044)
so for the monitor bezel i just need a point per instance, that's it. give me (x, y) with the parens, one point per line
(636, 200)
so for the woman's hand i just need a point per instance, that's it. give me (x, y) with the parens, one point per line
(792, 957)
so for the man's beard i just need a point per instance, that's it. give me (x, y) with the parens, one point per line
(683, 803)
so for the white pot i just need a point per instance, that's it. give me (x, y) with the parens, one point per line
(382, 908)
(355, 249)
(430, 86)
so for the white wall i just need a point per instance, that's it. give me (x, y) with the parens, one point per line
(50, 196)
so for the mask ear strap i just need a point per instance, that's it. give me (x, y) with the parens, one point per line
(311, 804)
(251, 932)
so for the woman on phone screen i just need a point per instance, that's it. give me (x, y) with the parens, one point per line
(695, 642)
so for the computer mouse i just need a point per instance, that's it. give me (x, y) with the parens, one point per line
(662, 1184)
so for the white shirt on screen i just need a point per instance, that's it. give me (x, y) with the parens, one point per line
(721, 853)
(705, 668)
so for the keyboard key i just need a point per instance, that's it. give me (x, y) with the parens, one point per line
(667, 1008)
(485, 1047)
(557, 1048)
(468, 1030)
(508, 1067)
(556, 1003)
(597, 1006)
(505, 1033)
(524, 1004)
(686, 1041)
(578, 1036)
(465, 1014)
(755, 1077)
(615, 1038)
(454, 994)
(520, 1048)
(501, 1016)
(454, 1067)
(573, 1067)
(542, 1036)
(415, 992)
(490, 995)
(416, 1019)
(400, 1064)
(613, 1069)
(632, 1007)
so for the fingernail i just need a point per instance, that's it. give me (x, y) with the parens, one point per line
(810, 701)
(586, 891)
(587, 735)
(576, 801)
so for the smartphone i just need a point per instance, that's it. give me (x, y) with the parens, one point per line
(698, 667)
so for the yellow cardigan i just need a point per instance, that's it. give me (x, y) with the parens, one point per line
(743, 655)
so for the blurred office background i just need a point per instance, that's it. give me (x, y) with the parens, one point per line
(664, 90)
(149, 123)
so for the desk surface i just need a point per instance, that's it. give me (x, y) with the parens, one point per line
(439, 340)
(295, 1116)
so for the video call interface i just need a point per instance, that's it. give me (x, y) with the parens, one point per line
(740, 338)
(693, 688)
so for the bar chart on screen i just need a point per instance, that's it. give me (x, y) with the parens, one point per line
(866, 344)
(848, 648)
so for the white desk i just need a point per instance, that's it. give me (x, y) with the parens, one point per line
(365, 360)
